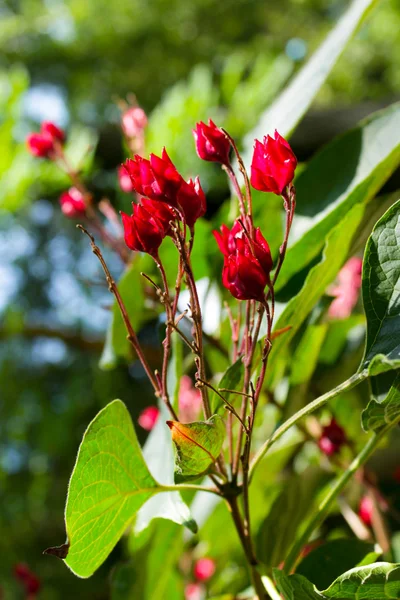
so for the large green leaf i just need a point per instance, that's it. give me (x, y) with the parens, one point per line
(197, 446)
(323, 564)
(379, 581)
(381, 293)
(361, 161)
(158, 453)
(385, 412)
(320, 276)
(108, 485)
(293, 103)
(291, 508)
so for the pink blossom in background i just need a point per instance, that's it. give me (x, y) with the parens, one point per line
(148, 417)
(365, 510)
(194, 591)
(347, 289)
(133, 121)
(124, 180)
(189, 400)
(204, 569)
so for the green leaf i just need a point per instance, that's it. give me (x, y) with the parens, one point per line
(380, 287)
(108, 485)
(277, 532)
(379, 581)
(306, 355)
(158, 453)
(150, 572)
(362, 160)
(320, 276)
(323, 564)
(379, 413)
(230, 381)
(131, 290)
(197, 446)
(293, 103)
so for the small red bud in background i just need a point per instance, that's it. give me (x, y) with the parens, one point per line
(73, 203)
(333, 437)
(28, 579)
(273, 164)
(124, 180)
(189, 400)
(42, 144)
(204, 569)
(211, 143)
(148, 417)
(365, 510)
(133, 121)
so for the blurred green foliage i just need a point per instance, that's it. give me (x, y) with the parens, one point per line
(185, 61)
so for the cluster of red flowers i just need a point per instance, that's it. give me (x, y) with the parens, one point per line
(28, 579)
(332, 439)
(164, 197)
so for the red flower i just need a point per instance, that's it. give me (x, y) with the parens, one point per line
(332, 439)
(192, 201)
(204, 569)
(124, 180)
(146, 228)
(134, 120)
(246, 265)
(73, 203)
(211, 143)
(365, 510)
(29, 580)
(148, 417)
(51, 130)
(42, 144)
(158, 179)
(273, 164)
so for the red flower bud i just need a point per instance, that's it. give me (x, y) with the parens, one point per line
(146, 228)
(29, 580)
(148, 417)
(333, 437)
(42, 144)
(194, 591)
(273, 164)
(133, 120)
(246, 265)
(73, 203)
(365, 510)
(192, 201)
(49, 129)
(156, 178)
(124, 180)
(39, 145)
(211, 143)
(204, 569)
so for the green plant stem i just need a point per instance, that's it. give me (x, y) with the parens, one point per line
(335, 490)
(307, 410)
(180, 487)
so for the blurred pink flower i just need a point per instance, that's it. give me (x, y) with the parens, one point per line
(204, 569)
(189, 400)
(365, 510)
(133, 121)
(194, 591)
(346, 290)
(148, 417)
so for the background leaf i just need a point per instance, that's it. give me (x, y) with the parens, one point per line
(292, 104)
(381, 293)
(380, 413)
(230, 380)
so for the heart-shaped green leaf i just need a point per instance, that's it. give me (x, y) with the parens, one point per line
(197, 446)
(383, 412)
